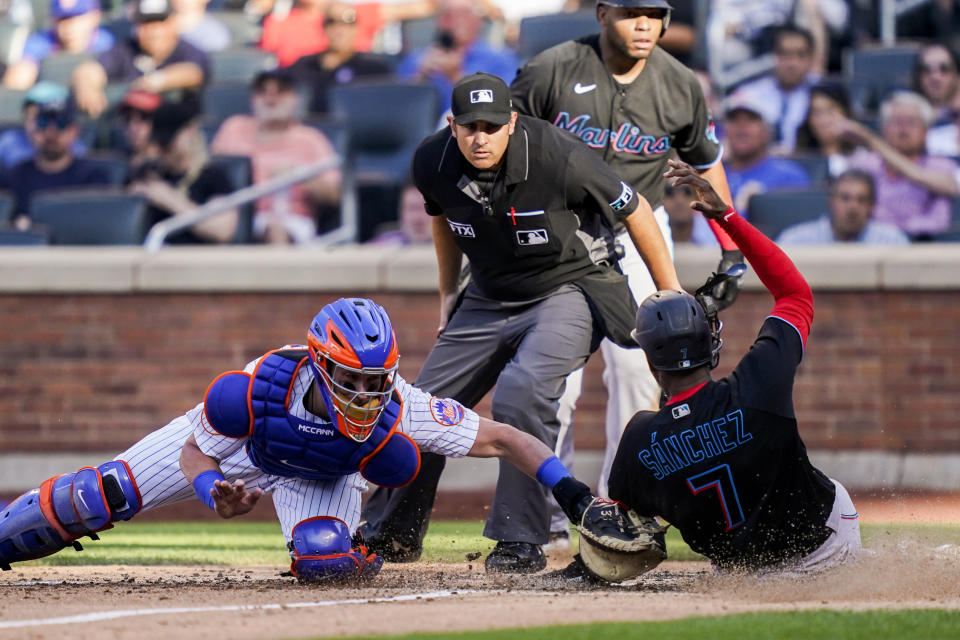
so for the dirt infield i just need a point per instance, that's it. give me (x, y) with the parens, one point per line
(147, 603)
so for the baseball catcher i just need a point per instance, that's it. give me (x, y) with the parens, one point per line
(309, 423)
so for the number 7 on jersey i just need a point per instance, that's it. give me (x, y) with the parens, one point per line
(721, 479)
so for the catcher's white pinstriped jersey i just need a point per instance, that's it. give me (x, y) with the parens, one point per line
(437, 426)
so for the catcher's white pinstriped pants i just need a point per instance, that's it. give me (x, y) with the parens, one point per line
(155, 464)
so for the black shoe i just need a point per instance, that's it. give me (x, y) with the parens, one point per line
(577, 575)
(516, 557)
(391, 549)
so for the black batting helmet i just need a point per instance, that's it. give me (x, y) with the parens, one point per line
(674, 332)
(643, 4)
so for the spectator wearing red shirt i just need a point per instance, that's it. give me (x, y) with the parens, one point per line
(300, 32)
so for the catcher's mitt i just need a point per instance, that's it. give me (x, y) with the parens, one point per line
(616, 544)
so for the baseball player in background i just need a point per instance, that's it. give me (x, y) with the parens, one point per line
(636, 106)
(310, 424)
(723, 461)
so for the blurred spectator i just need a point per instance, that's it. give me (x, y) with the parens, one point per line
(76, 29)
(136, 111)
(300, 31)
(277, 142)
(340, 63)
(198, 27)
(740, 33)
(16, 144)
(17, 12)
(512, 12)
(849, 219)
(686, 225)
(945, 139)
(458, 50)
(819, 133)
(53, 164)
(155, 59)
(913, 187)
(933, 20)
(936, 76)
(750, 168)
(414, 225)
(179, 179)
(786, 90)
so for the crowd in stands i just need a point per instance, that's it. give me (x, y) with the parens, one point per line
(155, 97)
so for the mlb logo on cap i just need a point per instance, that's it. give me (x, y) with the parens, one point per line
(481, 95)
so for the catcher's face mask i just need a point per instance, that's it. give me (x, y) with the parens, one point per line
(359, 396)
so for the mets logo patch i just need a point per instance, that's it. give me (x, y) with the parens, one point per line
(446, 412)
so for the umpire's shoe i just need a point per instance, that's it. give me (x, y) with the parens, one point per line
(516, 557)
(390, 548)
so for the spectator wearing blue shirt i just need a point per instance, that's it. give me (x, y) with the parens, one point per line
(16, 144)
(53, 164)
(199, 28)
(853, 196)
(76, 29)
(155, 59)
(457, 51)
(748, 129)
(750, 167)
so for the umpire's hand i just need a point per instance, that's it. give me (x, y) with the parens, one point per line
(231, 500)
(709, 203)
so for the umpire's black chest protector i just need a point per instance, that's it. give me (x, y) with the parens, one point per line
(544, 220)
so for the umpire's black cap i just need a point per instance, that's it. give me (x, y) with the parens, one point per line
(638, 4)
(481, 96)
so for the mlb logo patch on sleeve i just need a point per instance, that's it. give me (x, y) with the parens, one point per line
(531, 237)
(446, 412)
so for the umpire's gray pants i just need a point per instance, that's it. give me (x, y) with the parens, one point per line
(528, 350)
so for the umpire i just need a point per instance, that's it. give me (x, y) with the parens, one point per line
(533, 209)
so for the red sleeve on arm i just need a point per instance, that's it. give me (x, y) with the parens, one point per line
(794, 299)
(726, 243)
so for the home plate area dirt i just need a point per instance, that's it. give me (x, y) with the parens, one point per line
(107, 602)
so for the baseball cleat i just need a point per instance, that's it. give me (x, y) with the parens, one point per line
(516, 557)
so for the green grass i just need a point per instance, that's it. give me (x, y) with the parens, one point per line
(807, 625)
(219, 542)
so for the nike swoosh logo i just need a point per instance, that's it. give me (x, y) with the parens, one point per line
(583, 88)
(82, 501)
(289, 464)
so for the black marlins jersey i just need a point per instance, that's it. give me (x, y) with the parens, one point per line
(726, 465)
(633, 127)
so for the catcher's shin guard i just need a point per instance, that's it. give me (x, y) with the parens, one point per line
(323, 551)
(65, 508)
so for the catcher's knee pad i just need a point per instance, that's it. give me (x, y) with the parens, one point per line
(323, 551)
(64, 508)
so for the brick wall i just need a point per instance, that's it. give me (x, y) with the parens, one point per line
(97, 372)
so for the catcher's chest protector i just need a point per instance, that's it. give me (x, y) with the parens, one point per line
(282, 444)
